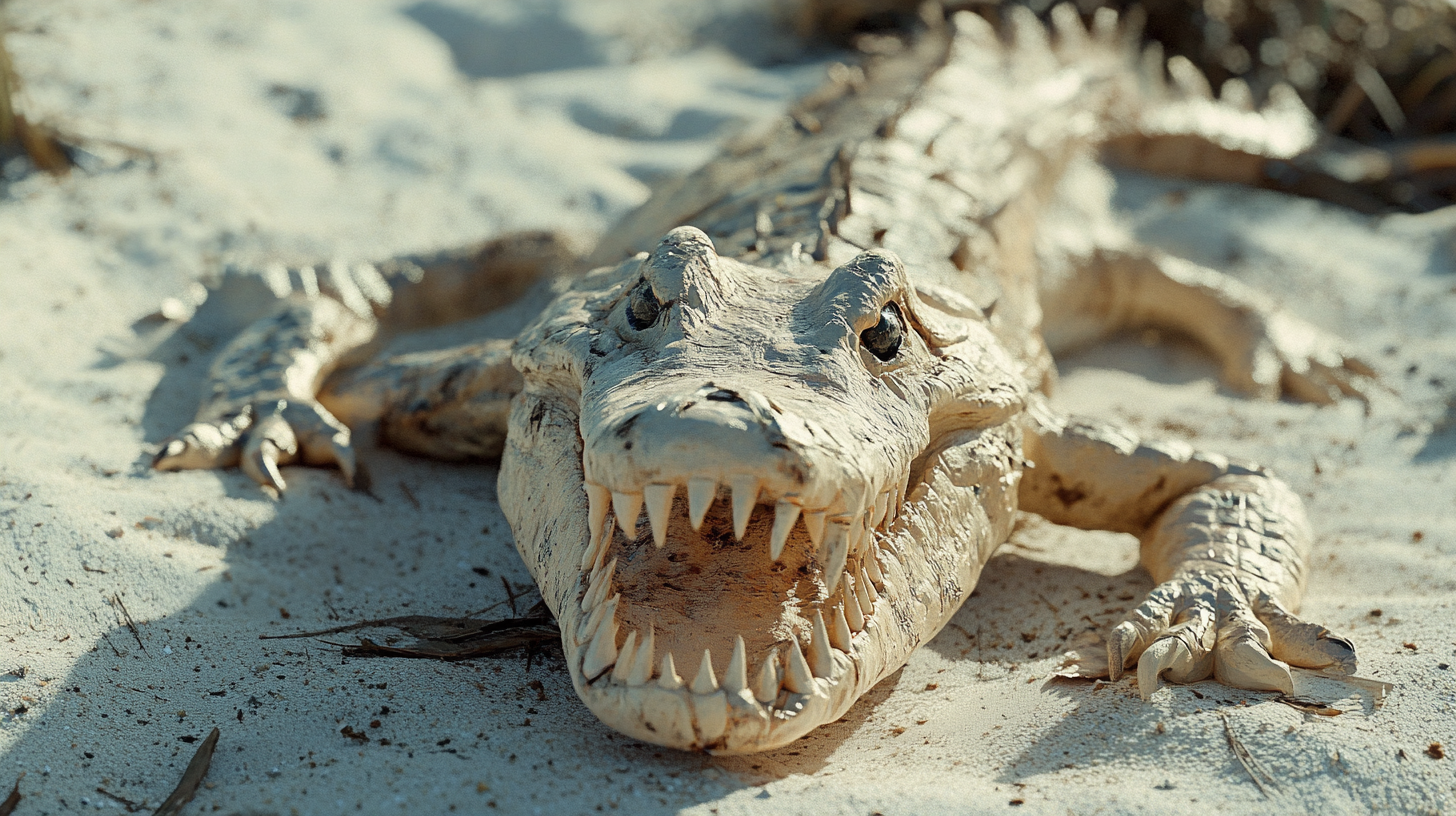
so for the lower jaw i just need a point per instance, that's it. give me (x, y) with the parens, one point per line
(732, 719)
(723, 722)
(720, 722)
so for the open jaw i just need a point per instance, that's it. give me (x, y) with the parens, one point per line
(666, 644)
(823, 463)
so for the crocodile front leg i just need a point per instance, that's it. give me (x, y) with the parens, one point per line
(1226, 543)
(259, 409)
(263, 408)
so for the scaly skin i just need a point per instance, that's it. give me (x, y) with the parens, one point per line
(824, 395)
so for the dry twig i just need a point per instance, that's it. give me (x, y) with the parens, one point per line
(446, 638)
(130, 624)
(191, 778)
(7, 807)
(131, 807)
(1309, 706)
(1256, 772)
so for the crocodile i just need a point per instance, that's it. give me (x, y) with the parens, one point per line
(818, 366)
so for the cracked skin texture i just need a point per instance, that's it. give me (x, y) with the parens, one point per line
(761, 452)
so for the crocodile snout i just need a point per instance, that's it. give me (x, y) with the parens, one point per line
(711, 431)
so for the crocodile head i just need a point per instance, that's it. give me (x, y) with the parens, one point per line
(747, 493)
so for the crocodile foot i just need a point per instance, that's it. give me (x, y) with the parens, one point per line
(1206, 623)
(1292, 358)
(259, 437)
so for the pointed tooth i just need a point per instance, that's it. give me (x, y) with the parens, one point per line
(659, 510)
(745, 496)
(766, 689)
(736, 679)
(869, 586)
(799, 678)
(785, 514)
(593, 549)
(627, 507)
(1150, 68)
(853, 615)
(700, 498)
(861, 535)
(836, 548)
(625, 658)
(642, 664)
(1027, 32)
(1071, 34)
(705, 682)
(862, 595)
(667, 675)
(819, 649)
(1104, 24)
(872, 568)
(839, 634)
(1235, 93)
(601, 582)
(602, 652)
(584, 634)
(598, 500)
(814, 523)
(882, 504)
(1189, 80)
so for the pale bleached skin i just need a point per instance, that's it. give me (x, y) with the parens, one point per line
(818, 499)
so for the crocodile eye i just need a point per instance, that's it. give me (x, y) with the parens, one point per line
(643, 308)
(883, 339)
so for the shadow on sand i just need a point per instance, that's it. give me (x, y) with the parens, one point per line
(302, 726)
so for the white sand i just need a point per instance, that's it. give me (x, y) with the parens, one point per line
(413, 154)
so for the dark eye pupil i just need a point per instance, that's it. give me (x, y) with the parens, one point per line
(642, 307)
(883, 339)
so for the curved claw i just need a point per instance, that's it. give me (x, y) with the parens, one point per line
(1327, 383)
(1304, 644)
(1243, 663)
(340, 453)
(1299, 385)
(1131, 637)
(323, 439)
(271, 443)
(1241, 656)
(1184, 653)
(1165, 653)
(1357, 367)
(1122, 647)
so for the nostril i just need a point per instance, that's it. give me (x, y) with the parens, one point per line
(724, 395)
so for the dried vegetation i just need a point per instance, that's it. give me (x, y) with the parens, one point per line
(1379, 76)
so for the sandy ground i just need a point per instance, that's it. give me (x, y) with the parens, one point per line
(256, 130)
